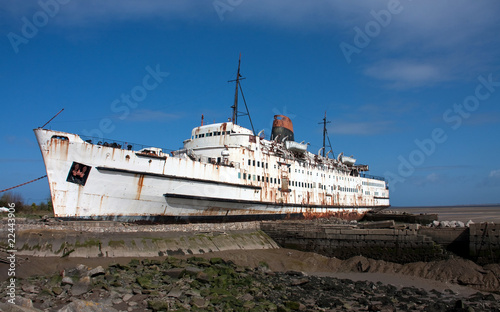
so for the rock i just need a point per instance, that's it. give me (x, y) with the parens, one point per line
(204, 277)
(247, 297)
(158, 305)
(176, 292)
(292, 305)
(7, 307)
(216, 261)
(193, 293)
(57, 290)
(175, 272)
(67, 281)
(200, 303)
(127, 297)
(80, 288)
(84, 280)
(444, 224)
(295, 273)
(96, 271)
(24, 302)
(192, 271)
(299, 281)
(29, 289)
(86, 306)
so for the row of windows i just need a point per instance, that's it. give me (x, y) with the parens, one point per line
(259, 164)
(348, 189)
(258, 178)
(374, 184)
(323, 175)
(292, 183)
(215, 133)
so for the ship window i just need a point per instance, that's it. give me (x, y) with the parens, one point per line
(218, 160)
(244, 176)
(249, 177)
(202, 135)
(254, 177)
(249, 162)
(60, 137)
(267, 179)
(253, 163)
(258, 163)
(258, 178)
(279, 181)
(290, 170)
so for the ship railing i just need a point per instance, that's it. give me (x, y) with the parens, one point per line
(369, 176)
(125, 145)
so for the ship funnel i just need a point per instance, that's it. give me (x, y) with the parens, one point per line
(282, 127)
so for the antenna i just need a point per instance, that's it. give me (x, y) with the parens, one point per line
(325, 134)
(236, 113)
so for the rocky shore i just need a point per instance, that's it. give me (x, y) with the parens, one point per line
(221, 284)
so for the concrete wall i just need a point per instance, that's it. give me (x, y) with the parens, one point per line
(400, 245)
(113, 239)
(484, 242)
(455, 240)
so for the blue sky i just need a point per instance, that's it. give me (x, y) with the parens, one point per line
(411, 87)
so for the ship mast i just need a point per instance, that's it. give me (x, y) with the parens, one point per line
(236, 113)
(235, 105)
(325, 135)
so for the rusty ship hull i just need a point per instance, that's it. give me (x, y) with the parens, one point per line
(223, 173)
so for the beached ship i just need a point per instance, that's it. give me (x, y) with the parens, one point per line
(224, 172)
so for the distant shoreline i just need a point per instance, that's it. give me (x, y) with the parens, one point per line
(476, 213)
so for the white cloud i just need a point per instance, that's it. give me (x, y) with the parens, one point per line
(495, 174)
(402, 73)
(361, 128)
(433, 177)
